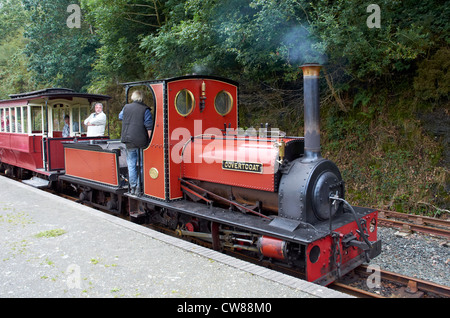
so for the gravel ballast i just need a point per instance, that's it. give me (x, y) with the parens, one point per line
(415, 255)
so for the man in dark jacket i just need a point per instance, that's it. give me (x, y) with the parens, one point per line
(137, 125)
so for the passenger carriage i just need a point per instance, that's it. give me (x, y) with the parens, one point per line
(31, 130)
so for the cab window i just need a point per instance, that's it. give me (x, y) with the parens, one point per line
(223, 102)
(184, 102)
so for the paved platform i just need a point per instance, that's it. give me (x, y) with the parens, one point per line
(52, 247)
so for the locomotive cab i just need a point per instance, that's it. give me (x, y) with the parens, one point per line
(183, 107)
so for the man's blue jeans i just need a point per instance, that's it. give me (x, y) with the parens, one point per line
(132, 161)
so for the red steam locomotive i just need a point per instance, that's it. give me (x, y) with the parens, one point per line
(266, 194)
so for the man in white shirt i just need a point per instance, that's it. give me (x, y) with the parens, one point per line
(96, 122)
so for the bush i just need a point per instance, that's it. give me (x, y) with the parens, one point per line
(433, 80)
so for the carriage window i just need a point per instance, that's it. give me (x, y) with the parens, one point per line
(184, 102)
(3, 113)
(84, 113)
(79, 114)
(19, 123)
(36, 119)
(9, 120)
(59, 112)
(57, 121)
(13, 119)
(223, 103)
(24, 119)
(2, 119)
(74, 119)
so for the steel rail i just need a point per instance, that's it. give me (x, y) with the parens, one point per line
(406, 226)
(418, 223)
(354, 291)
(410, 282)
(417, 219)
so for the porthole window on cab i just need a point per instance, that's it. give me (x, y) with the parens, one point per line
(184, 102)
(223, 103)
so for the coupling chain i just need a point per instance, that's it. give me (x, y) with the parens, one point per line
(336, 250)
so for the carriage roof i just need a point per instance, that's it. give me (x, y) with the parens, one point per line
(52, 93)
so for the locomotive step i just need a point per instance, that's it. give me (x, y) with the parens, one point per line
(37, 182)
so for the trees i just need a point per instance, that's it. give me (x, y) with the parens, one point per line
(14, 76)
(263, 39)
(120, 26)
(59, 55)
(368, 53)
(250, 40)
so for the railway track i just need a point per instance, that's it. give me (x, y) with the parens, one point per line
(364, 282)
(409, 222)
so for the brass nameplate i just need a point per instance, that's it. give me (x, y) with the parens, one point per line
(242, 166)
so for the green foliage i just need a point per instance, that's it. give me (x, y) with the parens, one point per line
(433, 76)
(14, 75)
(386, 157)
(120, 26)
(11, 18)
(370, 53)
(59, 56)
(250, 40)
(267, 40)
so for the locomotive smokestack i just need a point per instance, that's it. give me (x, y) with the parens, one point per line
(311, 97)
